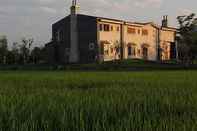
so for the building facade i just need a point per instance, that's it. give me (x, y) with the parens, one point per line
(81, 38)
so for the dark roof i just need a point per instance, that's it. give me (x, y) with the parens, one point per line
(172, 28)
(97, 17)
(60, 20)
(140, 23)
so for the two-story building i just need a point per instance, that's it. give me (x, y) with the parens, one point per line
(81, 38)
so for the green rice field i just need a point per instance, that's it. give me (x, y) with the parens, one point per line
(98, 101)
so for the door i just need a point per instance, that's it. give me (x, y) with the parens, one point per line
(145, 53)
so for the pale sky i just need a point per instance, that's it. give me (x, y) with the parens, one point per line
(33, 18)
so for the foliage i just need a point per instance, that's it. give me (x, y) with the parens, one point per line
(3, 49)
(187, 44)
(25, 49)
(36, 55)
(98, 101)
(20, 53)
(16, 53)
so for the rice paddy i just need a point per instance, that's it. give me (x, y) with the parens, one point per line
(98, 101)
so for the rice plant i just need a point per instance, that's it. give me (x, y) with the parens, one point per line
(98, 101)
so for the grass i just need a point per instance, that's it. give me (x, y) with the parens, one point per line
(98, 101)
(118, 65)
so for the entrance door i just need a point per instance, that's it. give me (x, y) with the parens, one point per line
(145, 53)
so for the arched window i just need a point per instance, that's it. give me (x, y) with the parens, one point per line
(145, 51)
(104, 47)
(131, 49)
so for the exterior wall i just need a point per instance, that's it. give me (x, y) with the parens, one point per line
(50, 53)
(123, 39)
(138, 40)
(61, 40)
(87, 39)
(63, 26)
(167, 37)
(111, 40)
(61, 36)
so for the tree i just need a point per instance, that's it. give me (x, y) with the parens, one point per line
(187, 45)
(10, 58)
(36, 55)
(25, 49)
(15, 52)
(3, 49)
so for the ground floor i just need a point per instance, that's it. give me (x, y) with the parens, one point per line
(109, 52)
(105, 51)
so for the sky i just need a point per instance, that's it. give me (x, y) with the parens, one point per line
(33, 18)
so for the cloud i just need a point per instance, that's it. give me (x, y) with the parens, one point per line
(3, 12)
(48, 10)
(47, 1)
(120, 8)
(148, 3)
(35, 17)
(185, 11)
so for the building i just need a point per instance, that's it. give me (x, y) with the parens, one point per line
(80, 38)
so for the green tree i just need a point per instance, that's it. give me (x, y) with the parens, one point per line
(10, 57)
(25, 49)
(15, 52)
(187, 45)
(3, 49)
(36, 55)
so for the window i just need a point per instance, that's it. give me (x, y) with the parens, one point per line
(112, 50)
(138, 31)
(91, 46)
(101, 27)
(59, 35)
(55, 36)
(131, 51)
(144, 32)
(118, 28)
(117, 49)
(106, 27)
(145, 53)
(131, 30)
(112, 28)
(139, 52)
(106, 52)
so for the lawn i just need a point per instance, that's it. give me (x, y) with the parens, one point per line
(98, 101)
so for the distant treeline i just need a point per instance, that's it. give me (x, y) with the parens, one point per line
(21, 53)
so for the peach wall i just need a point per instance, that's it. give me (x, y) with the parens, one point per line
(152, 39)
(140, 39)
(166, 37)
